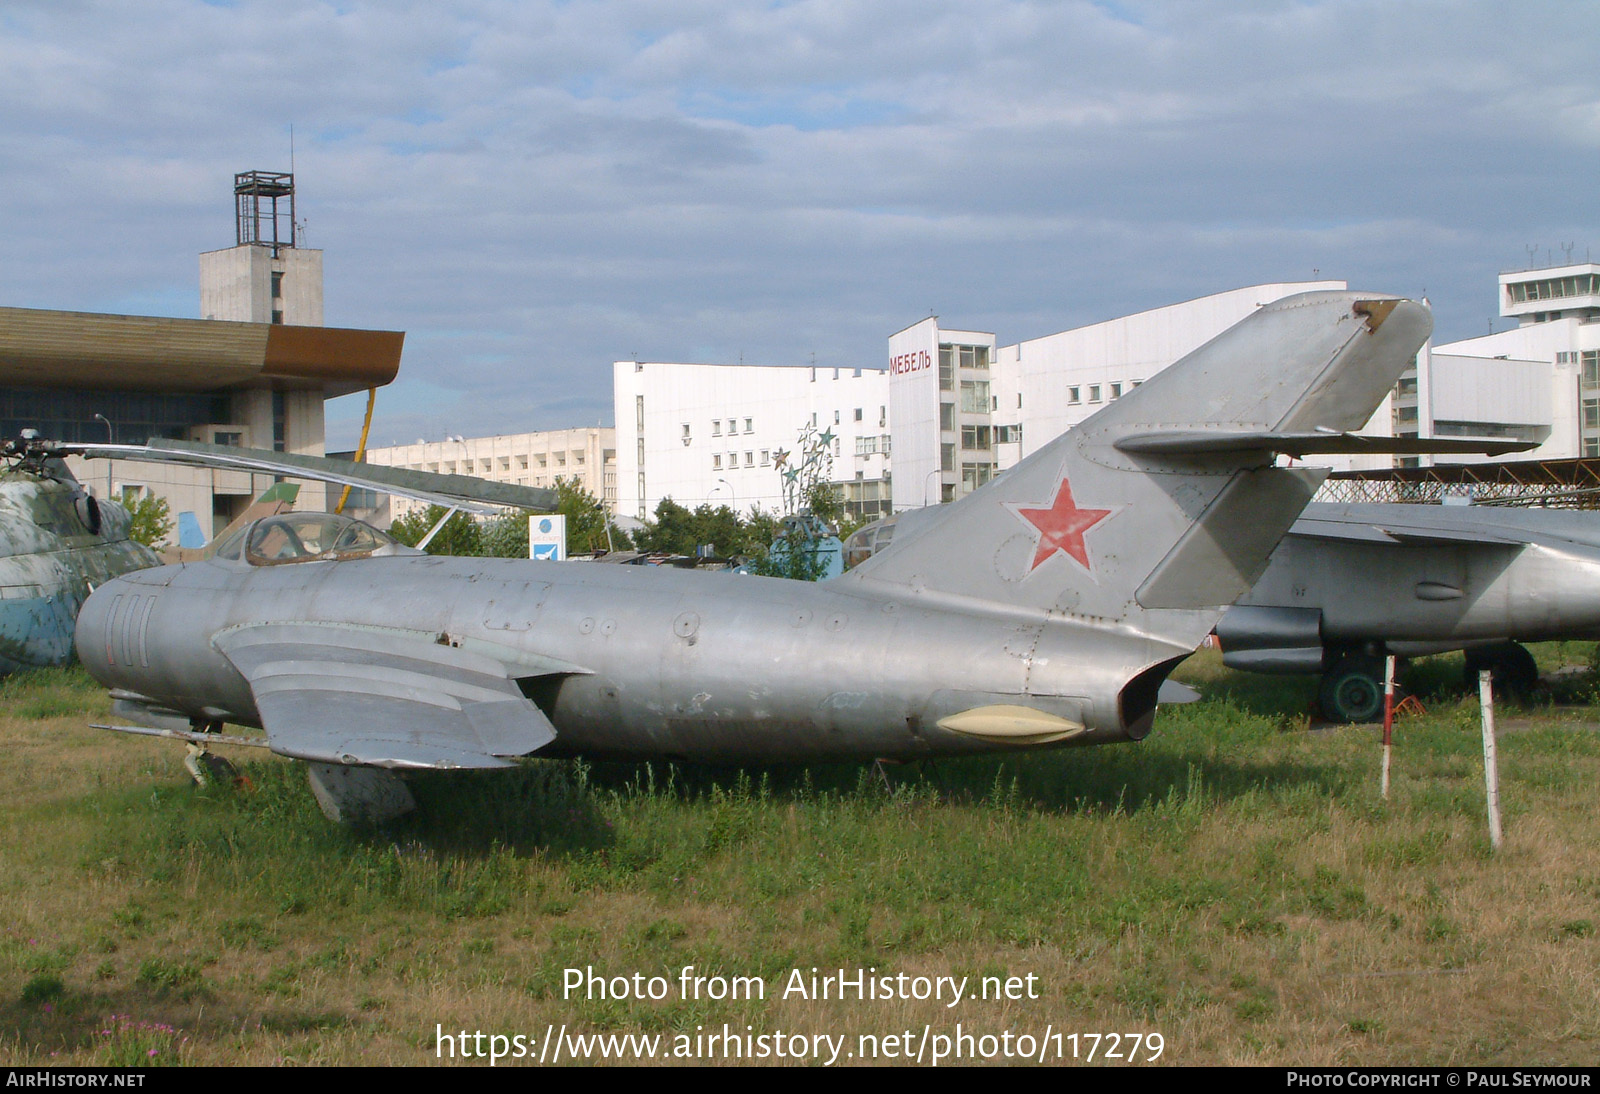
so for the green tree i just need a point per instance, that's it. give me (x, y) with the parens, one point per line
(680, 531)
(672, 531)
(586, 520)
(505, 536)
(460, 535)
(151, 521)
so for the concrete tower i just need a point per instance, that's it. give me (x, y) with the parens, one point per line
(266, 277)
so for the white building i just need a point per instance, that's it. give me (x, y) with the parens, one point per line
(954, 408)
(964, 410)
(723, 434)
(1539, 381)
(585, 455)
(951, 410)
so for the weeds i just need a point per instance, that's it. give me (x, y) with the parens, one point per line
(1234, 881)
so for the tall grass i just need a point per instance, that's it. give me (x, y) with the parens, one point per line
(1234, 882)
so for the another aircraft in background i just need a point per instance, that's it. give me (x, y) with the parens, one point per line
(57, 542)
(1352, 583)
(1044, 609)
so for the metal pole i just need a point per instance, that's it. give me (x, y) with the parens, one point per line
(111, 438)
(1388, 719)
(1491, 769)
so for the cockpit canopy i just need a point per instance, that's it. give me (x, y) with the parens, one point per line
(306, 537)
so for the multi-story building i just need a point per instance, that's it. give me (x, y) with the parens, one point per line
(1539, 381)
(952, 409)
(586, 456)
(725, 434)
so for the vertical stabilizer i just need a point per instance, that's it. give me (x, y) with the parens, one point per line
(1155, 538)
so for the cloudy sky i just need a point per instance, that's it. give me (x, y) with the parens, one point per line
(532, 189)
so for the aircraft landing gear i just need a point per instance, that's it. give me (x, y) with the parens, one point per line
(1352, 689)
(209, 769)
(1514, 669)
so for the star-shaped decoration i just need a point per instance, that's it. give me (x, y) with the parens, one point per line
(780, 457)
(1061, 526)
(825, 437)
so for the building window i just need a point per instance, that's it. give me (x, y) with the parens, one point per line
(947, 416)
(974, 475)
(1074, 395)
(947, 457)
(975, 438)
(1094, 393)
(974, 396)
(686, 436)
(749, 459)
(947, 372)
(1116, 391)
(766, 456)
(716, 461)
(716, 427)
(638, 412)
(749, 425)
(883, 416)
(835, 417)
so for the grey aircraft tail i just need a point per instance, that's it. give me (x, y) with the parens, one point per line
(1151, 516)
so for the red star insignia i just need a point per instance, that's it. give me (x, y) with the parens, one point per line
(1061, 526)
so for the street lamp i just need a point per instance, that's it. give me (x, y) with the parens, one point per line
(925, 483)
(732, 495)
(111, 438)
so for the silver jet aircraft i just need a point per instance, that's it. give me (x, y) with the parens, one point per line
(1351, 583)
(1047, 610)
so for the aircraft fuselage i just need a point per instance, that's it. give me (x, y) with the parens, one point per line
(628, 662)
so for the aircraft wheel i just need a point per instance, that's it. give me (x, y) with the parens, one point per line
(1514, 670)
(1352, 690)
(209, 769)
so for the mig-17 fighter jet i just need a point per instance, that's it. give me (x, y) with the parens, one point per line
(1047, 610)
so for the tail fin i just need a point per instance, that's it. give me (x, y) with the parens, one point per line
(1163, 508)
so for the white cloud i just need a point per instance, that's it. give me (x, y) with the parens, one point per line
(532, 190)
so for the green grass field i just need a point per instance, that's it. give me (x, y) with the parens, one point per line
(1234, 883)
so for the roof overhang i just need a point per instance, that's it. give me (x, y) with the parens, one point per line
(149, 353)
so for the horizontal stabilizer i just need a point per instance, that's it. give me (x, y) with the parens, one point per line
(1385, 531)
(1201, 442)
(347, 695)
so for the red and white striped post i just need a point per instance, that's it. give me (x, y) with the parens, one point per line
(1388, 718)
